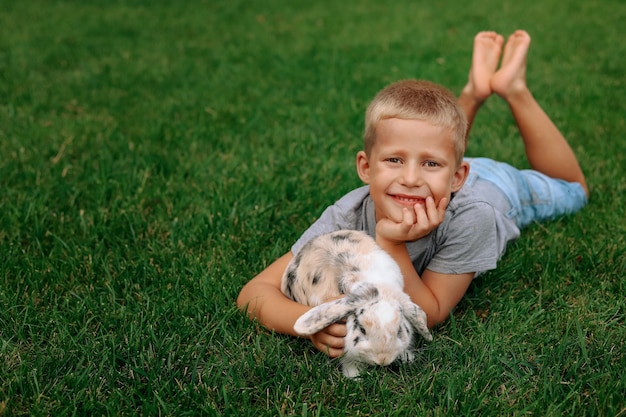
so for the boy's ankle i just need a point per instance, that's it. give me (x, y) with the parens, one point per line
(468, 97)
(518, 94)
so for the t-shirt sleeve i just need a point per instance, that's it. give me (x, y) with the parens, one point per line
(342, 215)
(471, 242)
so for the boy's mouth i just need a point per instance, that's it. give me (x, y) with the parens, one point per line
(407, 200)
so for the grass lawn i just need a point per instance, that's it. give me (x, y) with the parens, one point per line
(154, 156)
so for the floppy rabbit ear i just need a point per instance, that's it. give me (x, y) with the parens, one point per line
(322, 316)
(416, 316)
(328, 313)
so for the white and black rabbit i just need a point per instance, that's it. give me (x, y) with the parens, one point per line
(380, 316)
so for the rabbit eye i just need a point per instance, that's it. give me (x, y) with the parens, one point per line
(316, 279)
(356, 340)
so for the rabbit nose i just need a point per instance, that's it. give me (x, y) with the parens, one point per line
(383, 359)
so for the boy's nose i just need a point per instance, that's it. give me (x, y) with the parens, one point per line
(411, 177)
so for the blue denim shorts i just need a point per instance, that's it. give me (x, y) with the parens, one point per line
(532, 195)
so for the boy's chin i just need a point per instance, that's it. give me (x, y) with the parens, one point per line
(396, 216)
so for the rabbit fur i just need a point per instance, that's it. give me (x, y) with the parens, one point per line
(380, 316)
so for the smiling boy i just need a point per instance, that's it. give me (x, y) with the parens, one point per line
(444, 219)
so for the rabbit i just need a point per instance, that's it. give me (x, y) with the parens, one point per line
(380, 316)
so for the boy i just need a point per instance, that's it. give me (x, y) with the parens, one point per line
(441, 217)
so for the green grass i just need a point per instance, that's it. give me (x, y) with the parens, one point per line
(154, 156)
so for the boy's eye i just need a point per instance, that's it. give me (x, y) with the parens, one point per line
(431, 164)
(394, 160)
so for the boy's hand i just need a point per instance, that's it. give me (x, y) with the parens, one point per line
(330, 340)
(415, 224)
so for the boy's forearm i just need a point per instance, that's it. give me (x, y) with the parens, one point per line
(273, 310)
(262, 299)
(413, 284)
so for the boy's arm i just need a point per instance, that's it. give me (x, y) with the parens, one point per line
(437, 294)
(262, 299)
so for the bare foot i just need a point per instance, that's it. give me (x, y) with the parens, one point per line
(485, 57)
(511, 77)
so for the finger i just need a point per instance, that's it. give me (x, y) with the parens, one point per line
(408, 219)
(323, 339)
(337, 330)
(421, 215)
(332, 347)
(441, 209)
(432, 211)
(333, 353)
(334, 342)
(435, 212)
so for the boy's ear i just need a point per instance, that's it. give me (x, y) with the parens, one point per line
(460, 175)
(363, 167)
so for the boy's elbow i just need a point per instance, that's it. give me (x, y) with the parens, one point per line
(438, 316)
(432, 320)
(244, 302)
(240, 303)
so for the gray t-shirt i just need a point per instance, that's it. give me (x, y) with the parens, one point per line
(472, 237)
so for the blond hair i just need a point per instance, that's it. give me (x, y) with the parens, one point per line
(417, 100)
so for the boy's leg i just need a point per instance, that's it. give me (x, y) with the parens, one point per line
(546, 148)
(485, 58)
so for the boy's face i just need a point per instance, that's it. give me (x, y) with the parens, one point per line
(409, 161)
